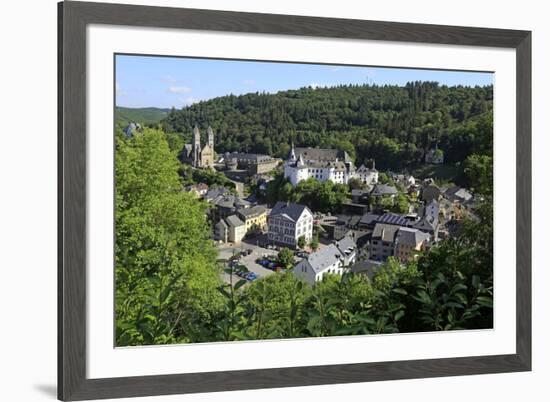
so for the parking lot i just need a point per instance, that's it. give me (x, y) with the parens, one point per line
(226, 251)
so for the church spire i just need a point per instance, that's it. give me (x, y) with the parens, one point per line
(210, 138)
(196, 147)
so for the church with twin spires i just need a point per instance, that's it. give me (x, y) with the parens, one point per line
(197, 156)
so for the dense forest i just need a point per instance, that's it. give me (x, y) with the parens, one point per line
(169, 287)
(395, 125)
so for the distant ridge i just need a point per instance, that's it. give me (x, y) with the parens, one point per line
(143, 115)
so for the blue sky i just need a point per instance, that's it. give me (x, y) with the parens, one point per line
(143, 81)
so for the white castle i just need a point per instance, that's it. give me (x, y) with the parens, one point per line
(325, 164)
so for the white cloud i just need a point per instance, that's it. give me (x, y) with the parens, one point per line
(188, 101)
(334, 69)
(179, 90)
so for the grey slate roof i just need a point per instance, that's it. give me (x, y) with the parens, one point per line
(290, 209)
(323, 258)
(215, 192)
(369, 218)
(325, 164)
(321, 154)
(252, 211)
(248, 158)
(383, 189)
(411, 237)
(458, 193)
(358, 192)
(346, 245)
(428, 222)
(234, 221)
(221, 224)
(385, 232)
(230, 201)
(393, 219)
(348, 220)
(364, 169)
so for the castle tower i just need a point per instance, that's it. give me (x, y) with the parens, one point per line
(292, 156)
(300, 162)
(211, 138)
(196, 147)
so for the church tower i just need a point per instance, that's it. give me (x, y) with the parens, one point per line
(211, 138)
(196, 147)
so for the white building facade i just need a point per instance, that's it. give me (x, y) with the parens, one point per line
(333, 259)
(366, 175)
(324, 165)
(326, 261)
(287, 222)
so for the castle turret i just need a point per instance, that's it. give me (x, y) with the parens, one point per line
(292, 156)
(300, 162)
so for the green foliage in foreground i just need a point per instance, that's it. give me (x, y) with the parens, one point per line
(166, 273)
(168, 287)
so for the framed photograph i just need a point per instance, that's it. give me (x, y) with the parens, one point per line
(257, 201)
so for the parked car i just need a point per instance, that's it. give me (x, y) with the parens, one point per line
(263, 262)
(251, 276)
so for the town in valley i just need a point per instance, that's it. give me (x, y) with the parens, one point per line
(255, 237)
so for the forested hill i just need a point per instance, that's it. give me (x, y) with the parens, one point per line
(143, 115)
(393, 124)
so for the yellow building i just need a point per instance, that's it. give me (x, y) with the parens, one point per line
(255, 218)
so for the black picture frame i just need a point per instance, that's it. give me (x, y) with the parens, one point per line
(73, 17)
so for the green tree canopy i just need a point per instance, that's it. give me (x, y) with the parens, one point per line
(285, 258)
(164, 259)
